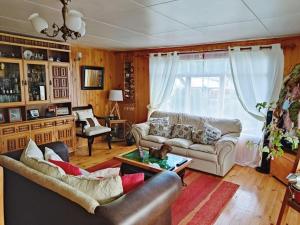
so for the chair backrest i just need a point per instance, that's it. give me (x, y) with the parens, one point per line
(81, 108)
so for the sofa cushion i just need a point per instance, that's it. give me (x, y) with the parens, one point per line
(160, 130)
(173, 117)
(67, 167)
(204, 148)
(158, 139)
(103, 190)
(107, 172)
(159, 120)
(179, 142)
(50, 154)
(96, 130)
(182, 131)
(202, 155)
(210, 134)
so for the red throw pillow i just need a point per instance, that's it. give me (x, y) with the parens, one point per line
(67, 167)
(132, 181)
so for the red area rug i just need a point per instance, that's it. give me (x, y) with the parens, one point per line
(200, 202)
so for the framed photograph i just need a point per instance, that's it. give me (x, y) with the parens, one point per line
(2, 118)
(34, 113)
(92, 78)
(14, 114)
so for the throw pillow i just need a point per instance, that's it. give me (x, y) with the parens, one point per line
(132, 181)
(108, 172)
(83, 114)
(182, 131)
(210, 134)
(160, 130)
(197, 136)
(67, 167)
(91, 122)
(159, 120)
(45, 167)
(50, 154)
(103, 190)
(32, 151)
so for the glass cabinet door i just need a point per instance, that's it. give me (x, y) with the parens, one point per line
(36, 82)
(11, 82)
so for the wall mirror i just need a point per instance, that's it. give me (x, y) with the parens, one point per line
(92, 78)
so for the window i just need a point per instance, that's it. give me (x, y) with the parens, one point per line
(204, 86)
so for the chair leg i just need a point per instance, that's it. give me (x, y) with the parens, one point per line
(108, 138)
(90, 144)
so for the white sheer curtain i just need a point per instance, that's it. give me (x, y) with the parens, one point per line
(257, 76)
(204, 86)
(163, 70)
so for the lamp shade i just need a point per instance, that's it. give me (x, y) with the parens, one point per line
(73, 20)
(115, 95)
(38, 22)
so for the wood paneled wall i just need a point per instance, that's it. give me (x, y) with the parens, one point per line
(92, 57)
(291, 46)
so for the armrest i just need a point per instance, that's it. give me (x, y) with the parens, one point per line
(226, 144)
(146, 203)
(139, 131)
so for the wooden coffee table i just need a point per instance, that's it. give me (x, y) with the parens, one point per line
(133, 163)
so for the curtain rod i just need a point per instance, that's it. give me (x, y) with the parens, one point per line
(283, 46)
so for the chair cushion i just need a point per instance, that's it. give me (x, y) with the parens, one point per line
(203, 148)
(160, 130)
(91, 122)
(50, 154)
(91, 131)
(103, 190)
(154, 138)
(182, 131)
(179, 142)
(67, 167)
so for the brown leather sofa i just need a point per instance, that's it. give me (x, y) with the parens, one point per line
(27, 203)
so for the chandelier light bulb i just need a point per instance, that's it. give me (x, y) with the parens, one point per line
(38, 22)
(73, 20)
(82, 29)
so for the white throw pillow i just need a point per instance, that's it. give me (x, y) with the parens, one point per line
(103, 190)
(32, 151)
(50, 154)
(108, 172)
(45, 167)
(83, 114)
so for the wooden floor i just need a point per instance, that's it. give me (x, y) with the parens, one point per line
(257, 201)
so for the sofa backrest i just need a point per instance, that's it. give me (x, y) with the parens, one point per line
(225, 125)
(50, 183)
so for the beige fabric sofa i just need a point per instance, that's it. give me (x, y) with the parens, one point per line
(216, 159)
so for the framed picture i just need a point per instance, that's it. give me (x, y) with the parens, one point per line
(2, 118)
(92, 78)
(14, 114)
(34, 113)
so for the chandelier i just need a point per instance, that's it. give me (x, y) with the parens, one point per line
(73, 26)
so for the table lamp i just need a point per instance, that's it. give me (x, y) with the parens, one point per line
(115, 96)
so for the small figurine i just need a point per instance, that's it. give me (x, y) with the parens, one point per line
(160, 153)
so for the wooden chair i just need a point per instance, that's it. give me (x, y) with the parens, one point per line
(288, 201)
(92, 132)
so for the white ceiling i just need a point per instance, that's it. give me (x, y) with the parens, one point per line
(135, 24)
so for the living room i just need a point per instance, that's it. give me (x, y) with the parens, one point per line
(152, 112)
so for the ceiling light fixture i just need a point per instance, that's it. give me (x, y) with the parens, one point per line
(73, 26)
